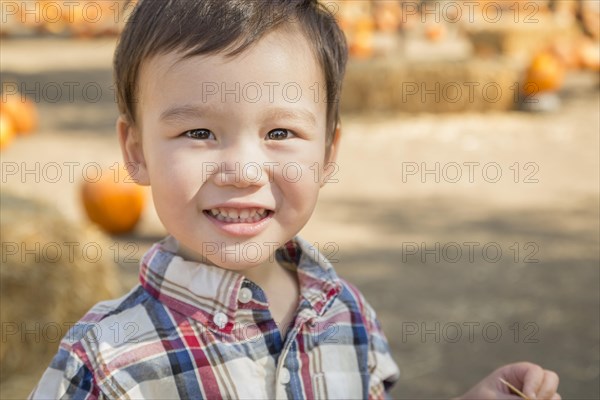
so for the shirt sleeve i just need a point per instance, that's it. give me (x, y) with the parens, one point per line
(67, 377)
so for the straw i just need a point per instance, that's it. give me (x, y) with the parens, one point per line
(514, 389)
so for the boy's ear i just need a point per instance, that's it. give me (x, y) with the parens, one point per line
(331, 168)
(133, 155)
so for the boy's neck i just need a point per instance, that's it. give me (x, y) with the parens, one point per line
(267, 275)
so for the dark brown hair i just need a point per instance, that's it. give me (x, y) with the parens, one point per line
(195, 27)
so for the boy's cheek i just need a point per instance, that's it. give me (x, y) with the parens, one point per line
(178, 167)
(298, 177)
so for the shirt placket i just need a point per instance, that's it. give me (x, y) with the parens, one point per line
(287, 364)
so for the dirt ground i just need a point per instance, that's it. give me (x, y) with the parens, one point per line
(466, 271)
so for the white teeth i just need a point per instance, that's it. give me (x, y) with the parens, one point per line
(233, 213)
(239, 215)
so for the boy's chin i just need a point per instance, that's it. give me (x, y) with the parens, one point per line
(251, 256)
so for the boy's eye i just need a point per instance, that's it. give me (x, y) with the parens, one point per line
(279, 134)
(201, 134)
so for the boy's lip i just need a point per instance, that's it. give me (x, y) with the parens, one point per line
(239, 205)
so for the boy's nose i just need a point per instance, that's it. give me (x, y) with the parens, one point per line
(241, 175)
(242, 172)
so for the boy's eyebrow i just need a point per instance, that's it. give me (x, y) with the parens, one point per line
(191, 111)
(299, 114)
(186, 111)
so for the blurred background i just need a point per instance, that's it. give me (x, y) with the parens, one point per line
(465, 205)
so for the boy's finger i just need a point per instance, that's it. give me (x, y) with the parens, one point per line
(556, 397)
(549, 386)
(534, 376)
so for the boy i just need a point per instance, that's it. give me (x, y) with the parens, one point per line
(229, 113)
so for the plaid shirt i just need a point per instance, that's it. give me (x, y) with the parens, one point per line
(196, 331)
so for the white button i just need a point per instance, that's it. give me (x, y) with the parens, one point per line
(284, 375)
(220, 319)
(245, 295)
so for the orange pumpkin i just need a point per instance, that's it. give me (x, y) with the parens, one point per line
(7, 130)
(22, 112)
(545, 73)
(344, 23)
(113, 202)
(388, 17)
(589, 54)
(364, 24)
(361, 45)
(567, 51)
(435, 32)
(51, 15)
(77, 23)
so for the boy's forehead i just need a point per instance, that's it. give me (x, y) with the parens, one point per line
(281, 66)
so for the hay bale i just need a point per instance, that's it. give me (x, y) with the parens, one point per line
(50, 276)
(432, 86)
(520, 36)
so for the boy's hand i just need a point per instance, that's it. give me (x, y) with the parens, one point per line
(531, 379)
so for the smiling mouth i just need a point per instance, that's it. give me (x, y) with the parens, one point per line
(238, 216)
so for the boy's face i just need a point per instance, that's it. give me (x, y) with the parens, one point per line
(247, 132)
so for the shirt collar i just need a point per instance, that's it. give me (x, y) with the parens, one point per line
(201, 291)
